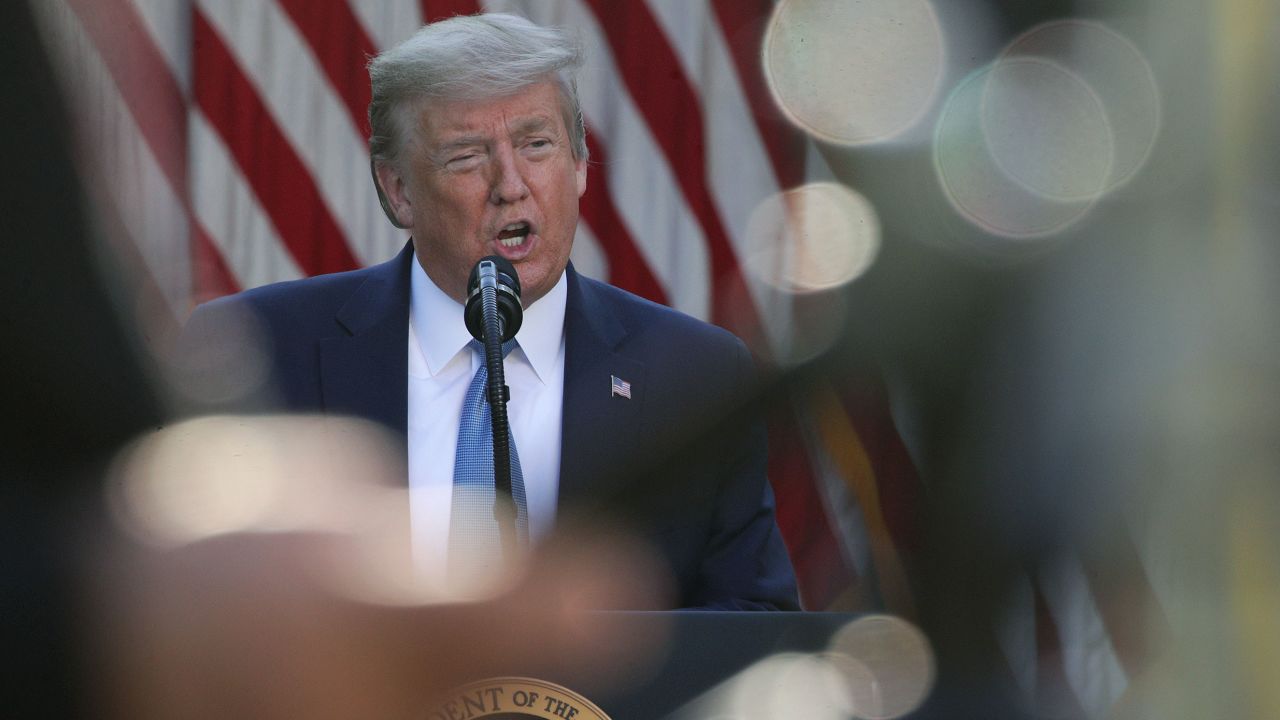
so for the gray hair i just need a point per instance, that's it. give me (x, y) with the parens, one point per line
(469, 58)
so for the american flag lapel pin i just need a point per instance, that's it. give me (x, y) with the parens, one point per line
(619, 387)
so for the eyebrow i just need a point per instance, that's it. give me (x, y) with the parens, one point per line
(533, 124)
(523, 127)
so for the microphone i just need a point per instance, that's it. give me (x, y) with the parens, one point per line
(493, 315)
(499, 274)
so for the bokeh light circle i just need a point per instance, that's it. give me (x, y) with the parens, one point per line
(233, 369)
(315, 476)
(1046, 129)
(887, 664)
(1117, 73)
(811, 238)
(976, 185)
(216, 475)
(790, 685)
(177, 486)
(853, 72)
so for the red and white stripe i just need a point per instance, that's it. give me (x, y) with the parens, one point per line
(1078, 632)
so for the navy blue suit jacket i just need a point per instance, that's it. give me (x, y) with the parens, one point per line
(681, 463)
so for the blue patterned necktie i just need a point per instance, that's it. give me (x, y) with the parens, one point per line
(474, 536)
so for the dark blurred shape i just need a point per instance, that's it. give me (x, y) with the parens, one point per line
(74, 378)
(73, 388)
(1086, 415)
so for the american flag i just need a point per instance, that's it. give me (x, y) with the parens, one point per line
(620, 387)
(226, 146)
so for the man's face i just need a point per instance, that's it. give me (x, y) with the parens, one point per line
(490, 177)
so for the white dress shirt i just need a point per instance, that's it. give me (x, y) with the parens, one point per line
(441, 366)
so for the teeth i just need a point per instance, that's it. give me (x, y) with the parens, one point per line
(513, 234)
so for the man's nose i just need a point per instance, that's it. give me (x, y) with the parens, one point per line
(508, 184)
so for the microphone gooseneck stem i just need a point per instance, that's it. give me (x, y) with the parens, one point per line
(504, 508)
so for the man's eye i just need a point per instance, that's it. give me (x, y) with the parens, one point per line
(539, 144)
(460, 161)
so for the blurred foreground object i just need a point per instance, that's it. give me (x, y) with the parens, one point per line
(274, 580)
(71, 385)
(241, 626)
(1094, 410)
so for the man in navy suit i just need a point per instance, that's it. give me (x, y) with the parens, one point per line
(620, 407)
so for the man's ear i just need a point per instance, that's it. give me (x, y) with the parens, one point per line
(392, 194)
(580, 175)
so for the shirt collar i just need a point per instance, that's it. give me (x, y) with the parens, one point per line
(436, 322)
(541, 335)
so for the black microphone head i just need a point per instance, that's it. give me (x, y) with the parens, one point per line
(507, 284)
(504, 268)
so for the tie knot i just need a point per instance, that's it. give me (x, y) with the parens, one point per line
(507, 347)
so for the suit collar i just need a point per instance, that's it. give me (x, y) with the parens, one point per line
(593, 330)
(597, 427)
(383, 294)
(364, 373)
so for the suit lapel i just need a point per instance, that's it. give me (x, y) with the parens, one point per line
(365, 373)
(598, 429)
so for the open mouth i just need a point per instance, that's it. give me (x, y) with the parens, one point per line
(513, 234)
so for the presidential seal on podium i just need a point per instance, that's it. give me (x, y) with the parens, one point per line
(515, 698)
